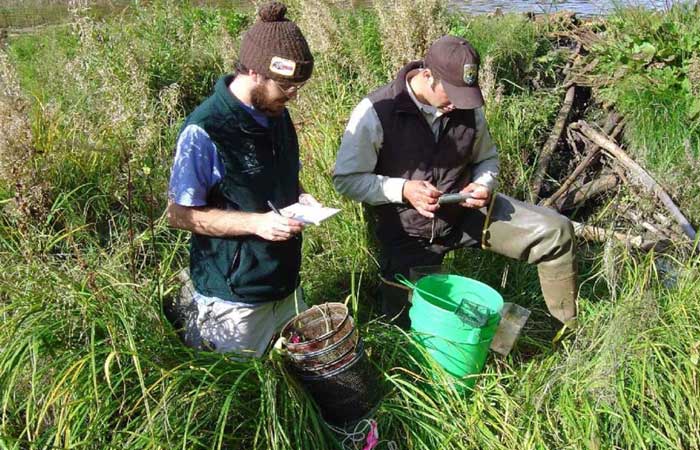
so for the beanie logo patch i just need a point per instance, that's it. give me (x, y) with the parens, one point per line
(282, 66)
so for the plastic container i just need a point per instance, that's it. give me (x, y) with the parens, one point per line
(444, 311)
(513, 318)
(418, 272)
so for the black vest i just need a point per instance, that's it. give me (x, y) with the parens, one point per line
(409, 151)
(260, 165)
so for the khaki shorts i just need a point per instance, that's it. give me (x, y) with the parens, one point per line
(242, 328)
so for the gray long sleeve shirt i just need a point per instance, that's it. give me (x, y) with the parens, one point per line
(354, 174)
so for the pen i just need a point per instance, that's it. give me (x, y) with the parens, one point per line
(272, 207)
(276, 211)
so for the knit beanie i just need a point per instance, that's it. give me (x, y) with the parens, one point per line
(274, 47)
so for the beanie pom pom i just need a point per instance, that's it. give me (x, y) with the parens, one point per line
(273, 12)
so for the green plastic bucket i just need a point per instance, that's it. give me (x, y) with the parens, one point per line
(458, 342)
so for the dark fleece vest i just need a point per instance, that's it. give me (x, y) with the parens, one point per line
(409, 151)
(260, 165)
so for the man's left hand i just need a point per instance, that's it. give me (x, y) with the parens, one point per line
(309, 200)
(479, 193)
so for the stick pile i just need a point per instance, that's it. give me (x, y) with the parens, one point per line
(602, 166)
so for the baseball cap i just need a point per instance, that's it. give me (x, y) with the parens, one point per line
(456, 63)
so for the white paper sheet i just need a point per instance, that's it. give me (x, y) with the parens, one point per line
(309, 214)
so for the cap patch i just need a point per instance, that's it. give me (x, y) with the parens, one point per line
(282, 66)
(471, 73)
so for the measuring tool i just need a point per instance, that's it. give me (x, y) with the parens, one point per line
(451, 199)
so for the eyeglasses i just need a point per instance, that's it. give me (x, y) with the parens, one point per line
(288, 89)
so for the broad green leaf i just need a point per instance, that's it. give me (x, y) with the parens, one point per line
(694, 111)
(643, 52)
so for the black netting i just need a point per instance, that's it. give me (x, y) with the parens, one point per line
(326, 353)
(347, 394)
(472, 314)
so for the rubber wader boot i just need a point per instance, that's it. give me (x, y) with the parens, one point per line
(559, 291)
(395, 304)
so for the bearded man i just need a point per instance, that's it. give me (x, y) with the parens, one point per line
(236, 164)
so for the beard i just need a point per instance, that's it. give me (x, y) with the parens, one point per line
(263, 103)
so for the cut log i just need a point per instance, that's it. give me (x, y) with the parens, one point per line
(597, 234)
(614, 124)
(636, 218)
(663, 220)
(575, 55)
(591, 154)
(551, 144)
(637, 175)
(589, 190)
(586, 37)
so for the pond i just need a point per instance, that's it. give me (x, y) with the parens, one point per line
(581, 7)
(29, 13)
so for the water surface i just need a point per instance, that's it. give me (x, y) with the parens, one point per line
(580, 7)
(29, 13)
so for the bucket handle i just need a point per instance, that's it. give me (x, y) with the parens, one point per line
(403, 280)
(472, 338)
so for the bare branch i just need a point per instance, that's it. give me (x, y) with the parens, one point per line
(587, 191)
(551, 144)
(637, 175)
(597, 234)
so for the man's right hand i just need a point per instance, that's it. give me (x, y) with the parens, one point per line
(273, 227)
(423, 196)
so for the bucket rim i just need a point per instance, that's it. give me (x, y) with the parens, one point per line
(302, 357)
(359, 354)
(451, 278)
(289, 325)
(314, 370)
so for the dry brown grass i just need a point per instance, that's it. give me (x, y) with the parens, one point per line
(228, 49)
(9, 86)
(16, 147)
(114, 104)
(408, 27)
(694, 74)
(490, 87)
(330, 36)
(316, 20)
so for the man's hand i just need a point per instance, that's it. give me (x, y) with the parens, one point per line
(273, 227)
(479, 193)
(309, 200)
(423, 196)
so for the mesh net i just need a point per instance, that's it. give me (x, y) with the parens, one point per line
(347, 394)
(472, 314)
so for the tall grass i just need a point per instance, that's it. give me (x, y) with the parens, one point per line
(88, 360)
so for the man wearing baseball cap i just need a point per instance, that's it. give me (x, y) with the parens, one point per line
(236, 164)
(425, 135)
